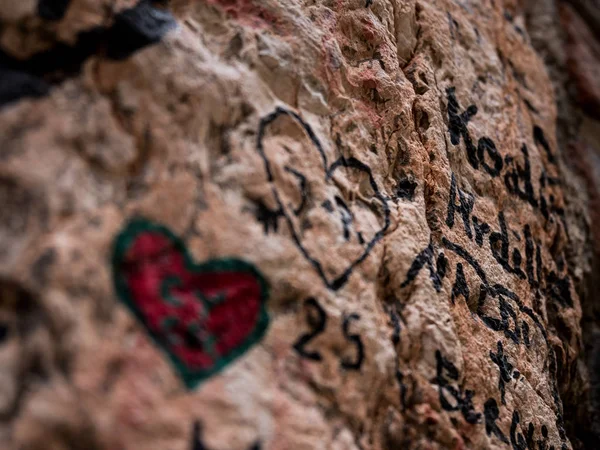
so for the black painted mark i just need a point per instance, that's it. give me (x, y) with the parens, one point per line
(356, 164)
(132, 30)
(436, 274)
(396, 327)
(550, 207)
(499, 245)
(530, 107)
(539, 138)
(403, 389)
(268, 217)
(529, 435)
(552, 181)
(517, 260)
(345, 216)
(538, 262)
(337, 281)
(460, 287)
(267, 120)
(487, 146)
(543, 443)
(303, 189)
(507, 314)
(491, 414)
(406, 189)
(492, 322)
(197, 443)
(396, 340)
(466, 256)
(525, 334)
(53, 9)
(518, 178)
(552, 368)
(316, 319)
(464, 206)
(327, 206)
(518, 440)
(501, 290)
(495, 291)
(544, 206)
(556, 287)
(481, 229)
(457, 127)
(500, 359)
(529, 255)
(527, 441)
(463, 401)
(355, 339)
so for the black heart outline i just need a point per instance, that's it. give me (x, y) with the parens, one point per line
(351, 162)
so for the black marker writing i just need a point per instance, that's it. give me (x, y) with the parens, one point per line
(518, 178)
(345, 216)
(268, 217)
(463, 400)
(538, 136)
(481, 229)
(529, 254)
(559, 289)
(316, 319)
(457, 126)
(499, 246)
(303, 189)
(340, 278)
(396, 340)
(460, 287)
(517, 440)
(499, 358)
(491, 413)
(464, 206)
(355, 339)
(425, 257)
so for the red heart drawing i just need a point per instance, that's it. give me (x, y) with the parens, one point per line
(202, 315)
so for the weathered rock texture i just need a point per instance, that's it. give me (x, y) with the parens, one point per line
(298, 224)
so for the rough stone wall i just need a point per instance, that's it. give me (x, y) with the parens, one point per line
(566, 35)
(294, 224)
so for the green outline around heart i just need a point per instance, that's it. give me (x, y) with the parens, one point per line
(191, 378)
